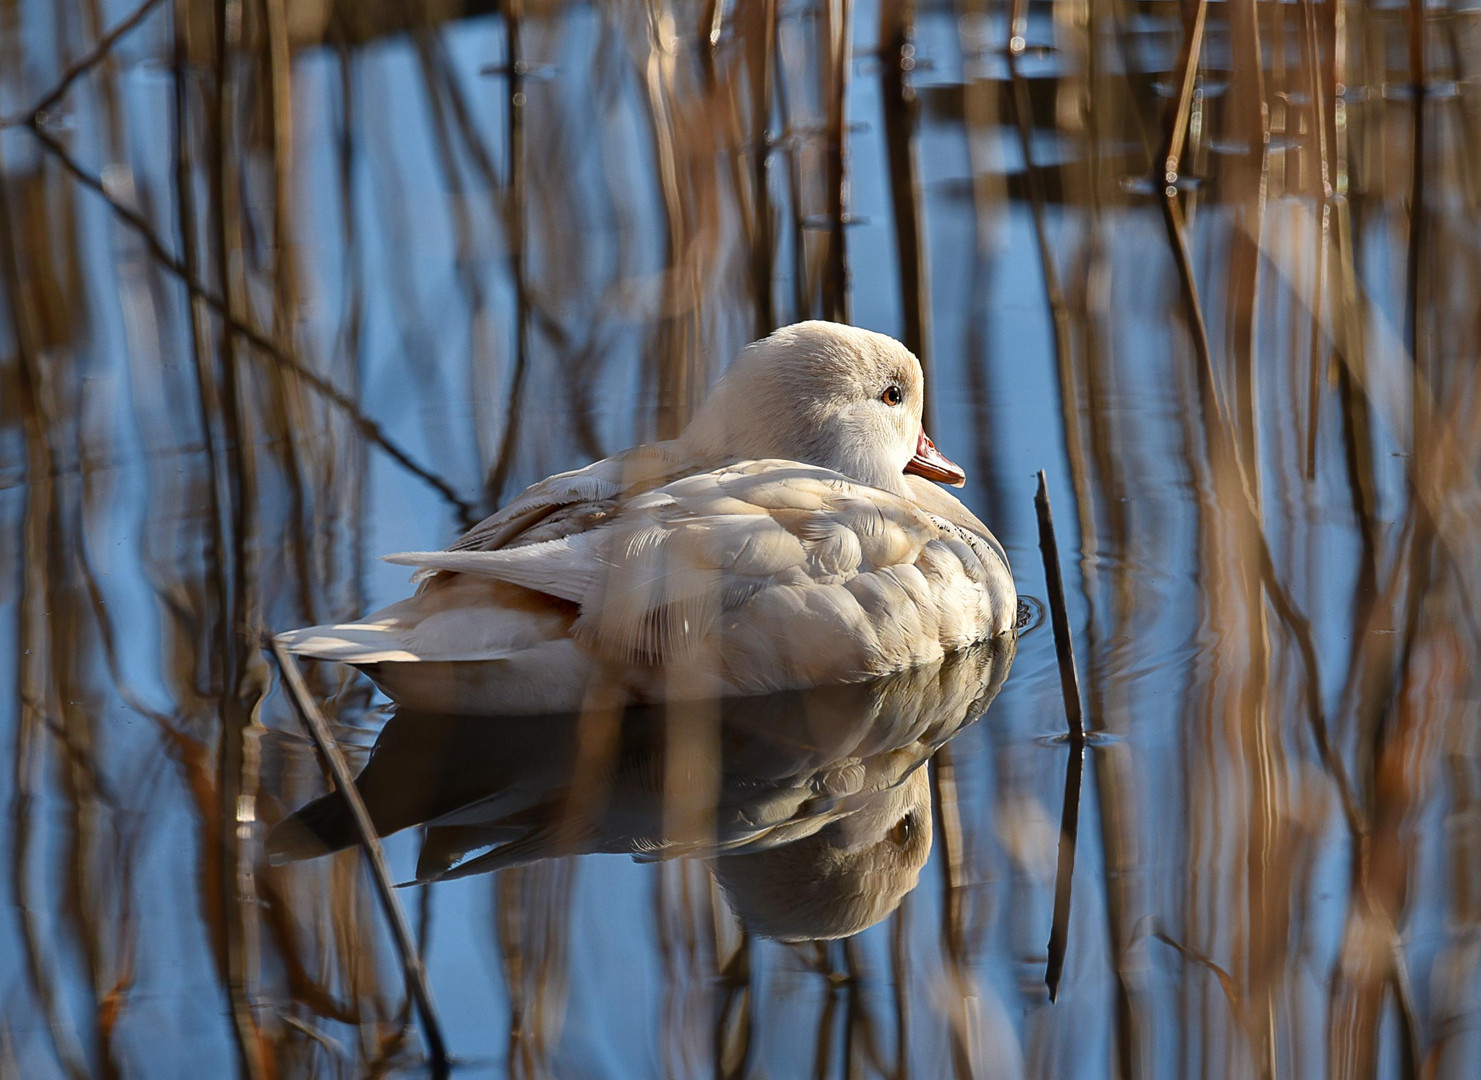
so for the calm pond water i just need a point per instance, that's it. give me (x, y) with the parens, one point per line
(317, 281)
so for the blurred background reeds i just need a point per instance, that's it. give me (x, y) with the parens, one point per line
(288, 284)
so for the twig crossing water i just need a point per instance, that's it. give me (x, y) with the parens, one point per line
(380, 873)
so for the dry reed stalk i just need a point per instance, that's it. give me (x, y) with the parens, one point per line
(1107, 480)
(1467, 146)
(1260, 929)
(1250, 105)
(237, 762)
(823, 1051)
(980, 115)
(861, 1041)
(667, 949)
(761, 41)
(349, 329)
(1090, 297)
(953, 936)
(107, 70)
(186, 219)
(515, 218)
(1264, 951)
(235, 936)
(1059, 312)
(1208, 791)
(793, 118)
(1397, 711)
(1227, 466)
(1422, 459)
(676, 335)
(1375, 656)
(700, 133)
(286, 415)
(685, 918)
(37, 704)
(509, 912)
(1069, 685)
(1064, 648)
(901, 120)
(838, 30)
(733, 1040)
(1372, 963)
(1311, 54)
(900, 988)
(532, 925)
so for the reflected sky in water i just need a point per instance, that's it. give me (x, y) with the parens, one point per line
(1258, 410)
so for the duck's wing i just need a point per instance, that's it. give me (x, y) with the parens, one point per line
(456, 620)
(573, 501)
(660, 574)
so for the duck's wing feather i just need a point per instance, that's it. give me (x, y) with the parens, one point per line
(452, 618)
(580, 499)
(566, 567)
(652, 581)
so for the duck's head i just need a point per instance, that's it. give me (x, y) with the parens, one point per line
(824, 394)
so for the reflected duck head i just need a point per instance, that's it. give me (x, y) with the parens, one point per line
(842, 879)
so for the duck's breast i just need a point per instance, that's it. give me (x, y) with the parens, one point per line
(881, 584)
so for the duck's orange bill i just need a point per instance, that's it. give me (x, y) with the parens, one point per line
(933, 464)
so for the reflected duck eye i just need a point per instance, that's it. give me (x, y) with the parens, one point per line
(892, 395)
(904, 829)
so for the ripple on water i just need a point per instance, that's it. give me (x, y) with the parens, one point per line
(1030, 614)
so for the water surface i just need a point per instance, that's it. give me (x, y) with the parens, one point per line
(330, 280)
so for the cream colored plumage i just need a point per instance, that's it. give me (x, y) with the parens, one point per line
(777, 543)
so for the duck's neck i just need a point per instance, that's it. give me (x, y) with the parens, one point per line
(704, 452)
(748, 418)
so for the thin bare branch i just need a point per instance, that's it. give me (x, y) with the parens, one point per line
(37, 113)
(411, 961)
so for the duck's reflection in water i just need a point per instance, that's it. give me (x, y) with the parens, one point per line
(811, 806)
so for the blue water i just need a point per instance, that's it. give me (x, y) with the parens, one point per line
(1221, 900)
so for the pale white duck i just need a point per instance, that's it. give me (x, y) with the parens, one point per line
(777, 543)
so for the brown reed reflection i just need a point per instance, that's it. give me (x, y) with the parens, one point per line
(285, 280)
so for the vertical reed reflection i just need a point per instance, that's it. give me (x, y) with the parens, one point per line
(290, 284)
(901, 120)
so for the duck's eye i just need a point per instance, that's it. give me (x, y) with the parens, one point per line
(892, 395)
